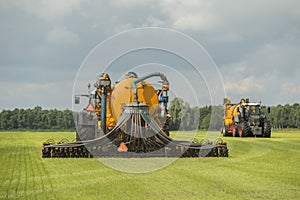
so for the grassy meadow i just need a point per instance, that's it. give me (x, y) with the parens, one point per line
(257, 168)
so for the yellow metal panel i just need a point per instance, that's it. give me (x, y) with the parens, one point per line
(123, 94)
(229, 114)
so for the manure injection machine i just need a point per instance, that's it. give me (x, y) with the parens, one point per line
(129, 119)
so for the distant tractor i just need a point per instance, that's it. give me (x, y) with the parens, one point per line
(245, 119)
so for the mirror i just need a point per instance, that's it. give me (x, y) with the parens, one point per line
(77, 99)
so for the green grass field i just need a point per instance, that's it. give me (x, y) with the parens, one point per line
(257, 168)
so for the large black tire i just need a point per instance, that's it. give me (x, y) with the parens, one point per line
(246, 130)
(225, 131)
(267, 130)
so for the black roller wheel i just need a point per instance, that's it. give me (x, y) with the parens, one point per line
(225, 131)
(246, 130)
(223, 151)
(267, 130)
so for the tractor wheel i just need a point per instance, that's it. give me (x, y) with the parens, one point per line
(225, 131)
(267, 130)
(246, 130)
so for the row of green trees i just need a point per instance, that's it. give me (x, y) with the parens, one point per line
(285, 116)
(183, 117)
(210, 117)
(36, 119)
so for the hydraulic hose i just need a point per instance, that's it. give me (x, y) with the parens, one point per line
(135, 82)
(103, 110)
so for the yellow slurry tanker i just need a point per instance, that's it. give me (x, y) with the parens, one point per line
(129, 119)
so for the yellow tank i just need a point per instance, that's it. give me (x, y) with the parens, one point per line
(123, 94)
(229, 113)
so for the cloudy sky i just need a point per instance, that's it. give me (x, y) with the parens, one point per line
(255, 44)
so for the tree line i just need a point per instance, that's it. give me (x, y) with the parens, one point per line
(183, 117)
(37, 119)
(285, 116)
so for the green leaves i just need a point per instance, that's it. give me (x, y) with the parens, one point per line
(36, 119)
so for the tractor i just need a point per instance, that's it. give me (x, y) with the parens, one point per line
(245, 119)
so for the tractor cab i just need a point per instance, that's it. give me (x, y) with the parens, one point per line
(251, 109)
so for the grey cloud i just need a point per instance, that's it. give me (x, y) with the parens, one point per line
(253, 41)
(50, 11)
